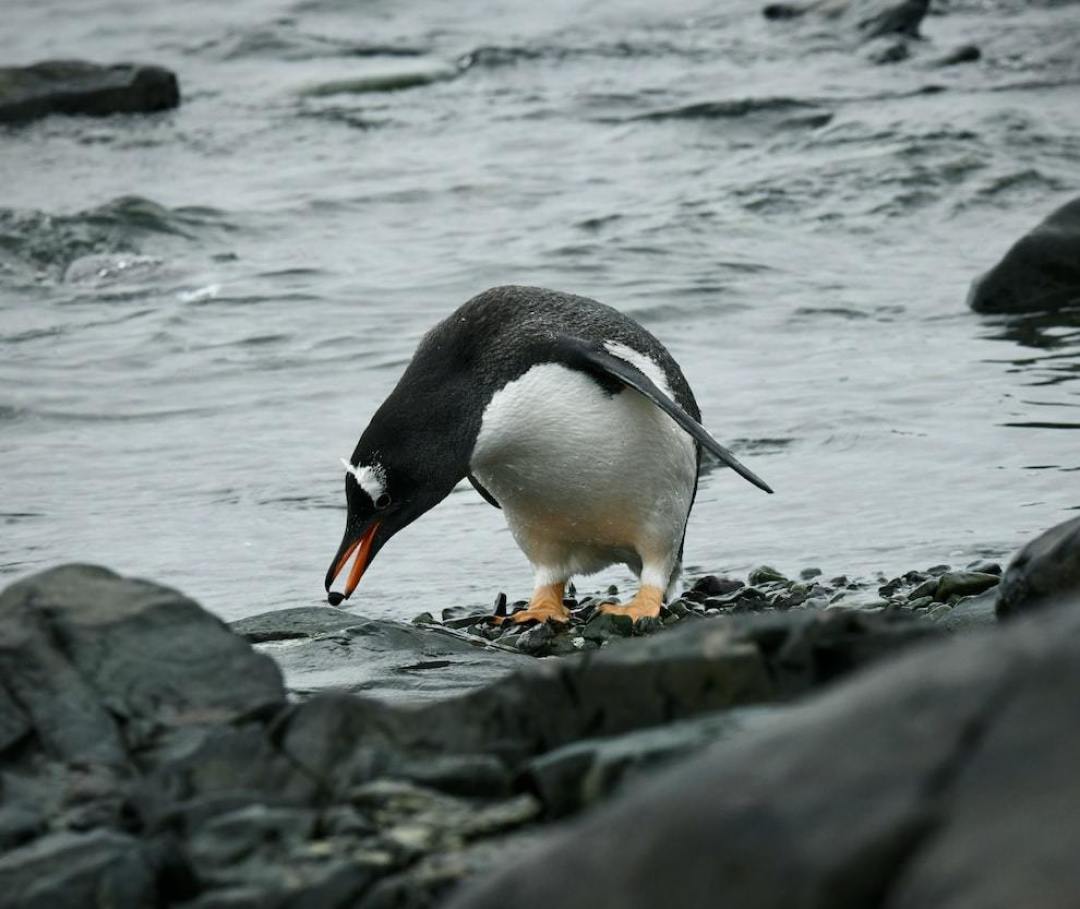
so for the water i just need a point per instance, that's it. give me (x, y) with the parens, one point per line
(799, 226)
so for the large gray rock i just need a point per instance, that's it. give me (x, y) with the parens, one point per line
(78, 87)
(320, 649)
(1046, 571)
(1040, 272)
(100, 664)
(945, 779)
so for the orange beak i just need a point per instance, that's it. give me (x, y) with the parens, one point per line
(362, 548)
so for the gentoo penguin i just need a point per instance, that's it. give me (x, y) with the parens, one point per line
(563, 412)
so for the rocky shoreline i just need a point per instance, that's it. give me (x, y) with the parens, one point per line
(154, 757)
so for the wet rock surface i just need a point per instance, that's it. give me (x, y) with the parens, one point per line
(1040, 272)
(79, 87)
(149, 755)
(320, 648)
(932, 594)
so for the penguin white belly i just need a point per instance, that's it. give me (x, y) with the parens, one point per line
(587, 479)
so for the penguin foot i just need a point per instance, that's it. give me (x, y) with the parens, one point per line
(644, 605)
(546, 605)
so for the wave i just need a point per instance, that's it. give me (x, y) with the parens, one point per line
(36, 245)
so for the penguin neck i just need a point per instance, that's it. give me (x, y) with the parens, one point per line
(426, 434)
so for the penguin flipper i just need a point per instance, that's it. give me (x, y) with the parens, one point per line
(487, 496)
(593, 358)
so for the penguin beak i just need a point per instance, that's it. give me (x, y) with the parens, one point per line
(362, 546)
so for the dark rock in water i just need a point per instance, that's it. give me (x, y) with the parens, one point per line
(895, 19)
(869, 18)
(713, 586)
(765, 574)
(924, 812)
(965, 53)
(890, 52)
(964, 584)
(1045, 572)
(321, 649)
(77, 87)
(1040, 272)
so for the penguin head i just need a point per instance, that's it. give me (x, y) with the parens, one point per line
(387, 487)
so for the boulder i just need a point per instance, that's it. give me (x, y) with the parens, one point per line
(1046, 571)
(78, 87)
(1040, 272)
(946, 778)
(100, 664)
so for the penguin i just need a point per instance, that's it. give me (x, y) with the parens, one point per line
(563, 412)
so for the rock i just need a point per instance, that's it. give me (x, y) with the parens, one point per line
(536, 641)
(765, 574)
(933, 809)
(288, 624)
(578, 775)
(965, 53)
(603, 626)
(713, 586)
(1040, 272)
(973, 612)
(867, 18)
(985, 566)
(963, 584)
(1045, 572)
(808, 574)
(136, 659)
(77, 87)
(320, 649)
(74, 870)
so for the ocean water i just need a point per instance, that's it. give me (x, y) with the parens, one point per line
(200, 309)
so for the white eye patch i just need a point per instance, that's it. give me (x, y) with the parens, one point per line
(372, 478)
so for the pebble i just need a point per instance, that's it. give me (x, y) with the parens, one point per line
(964, 584)
(808, 574)
(764, 574)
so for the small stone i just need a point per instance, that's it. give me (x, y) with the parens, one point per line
(921, 603)
(938, 570)
(679, 608)
(604, 625)
(926, 589)
(965, 53)
(964, 584)
(808, 574)
(938, 611)
(334, 598)
(713, 586)
(841, 580)
(425, 618)
(537, 640)
(764, 574)
(985, 566)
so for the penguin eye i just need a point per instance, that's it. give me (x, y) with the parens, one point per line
(383, 501)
